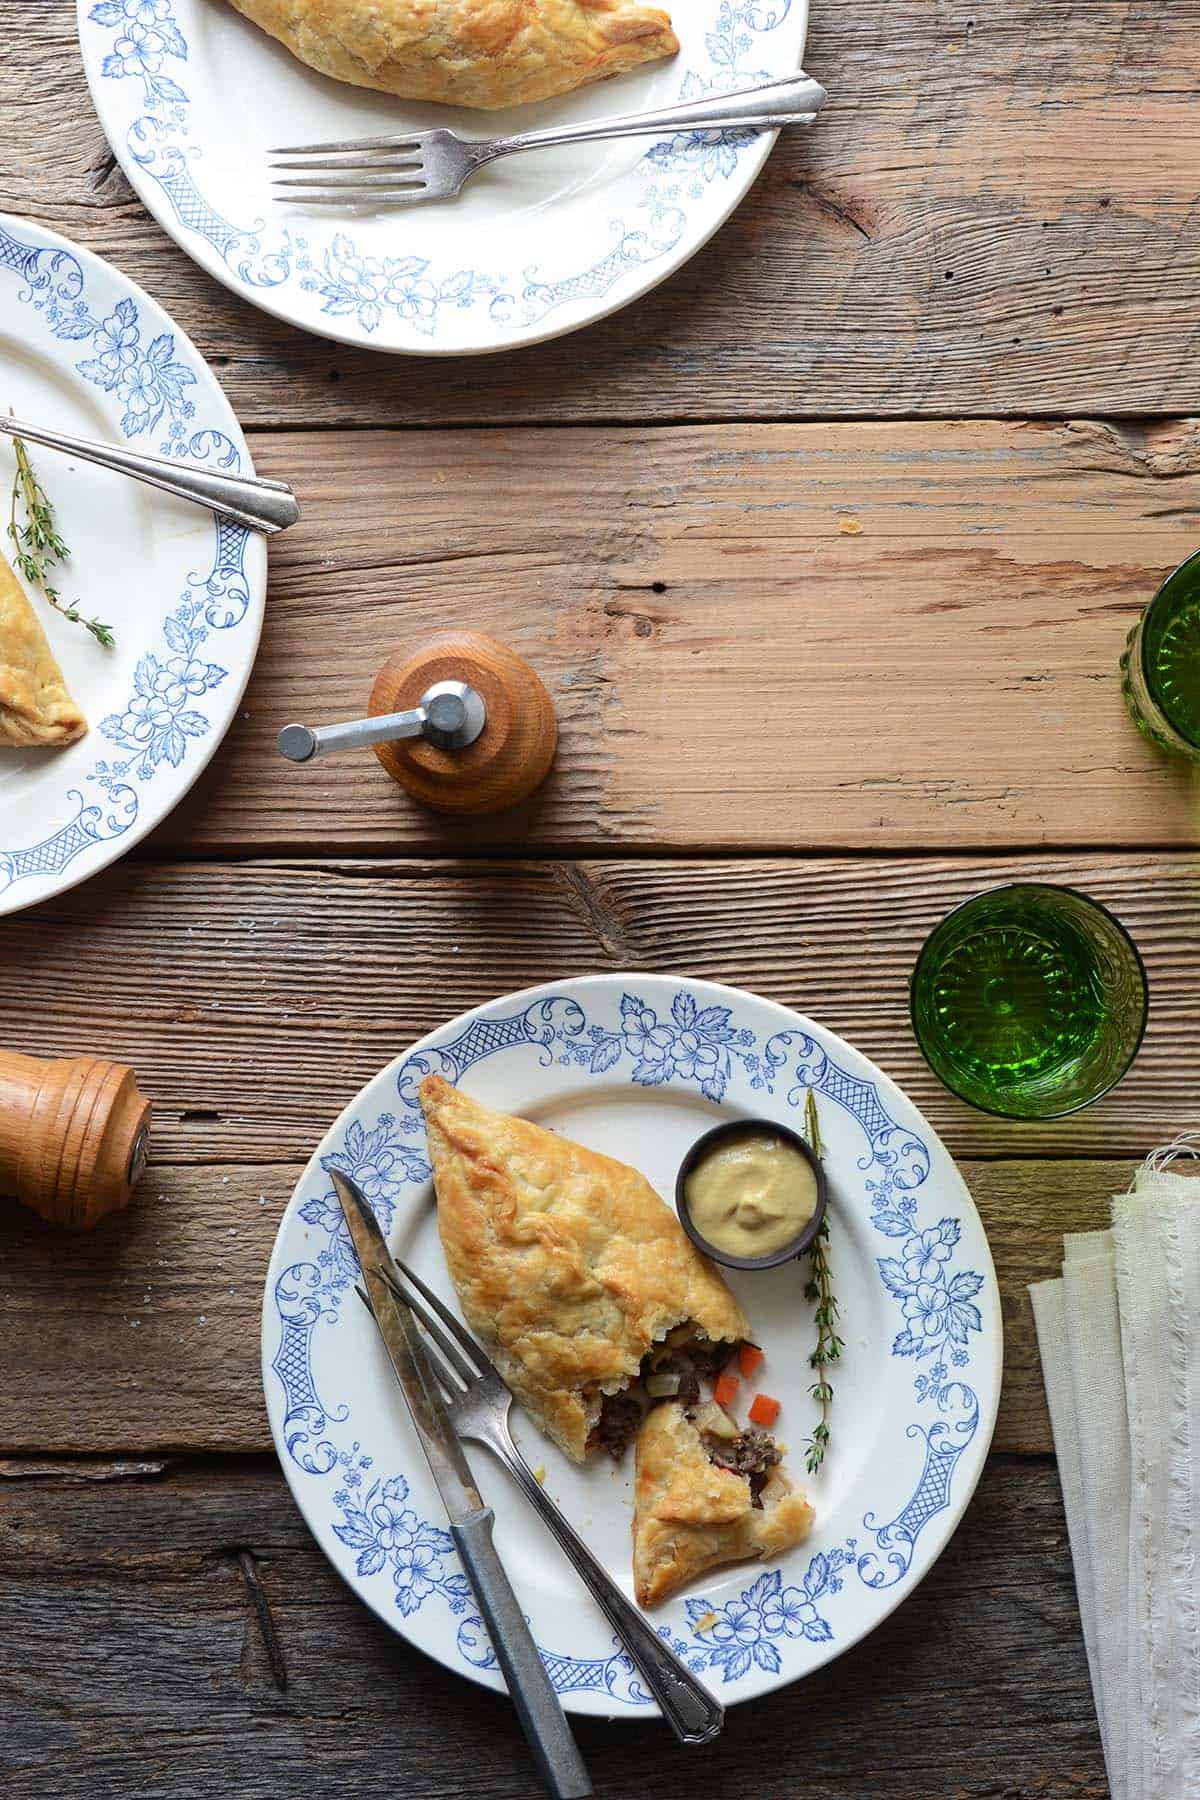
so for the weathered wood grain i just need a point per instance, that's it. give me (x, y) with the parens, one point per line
(255, 999)
(996, 216)
(139, 1667)
(996, 213)
(90, 1326)
(730, 669)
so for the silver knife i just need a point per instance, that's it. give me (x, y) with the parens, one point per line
(538, 1707)
(251, 500)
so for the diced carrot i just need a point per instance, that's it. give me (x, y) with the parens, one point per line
(764, 1411)
(749, 1356)
(725, 1391)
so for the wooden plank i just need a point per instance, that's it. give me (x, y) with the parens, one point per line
(176, 1284)
(995, 214)
(732, 670)
(256, 999)
(139, 1613)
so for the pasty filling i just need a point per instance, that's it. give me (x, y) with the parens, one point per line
(672, 1370)
(752, 1453)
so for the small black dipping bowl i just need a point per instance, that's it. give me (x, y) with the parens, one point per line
(736, 1128)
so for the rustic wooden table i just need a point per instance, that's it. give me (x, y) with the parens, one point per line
(961, 312)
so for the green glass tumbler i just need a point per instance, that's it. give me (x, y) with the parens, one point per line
(1029, 1001)
(1160, 665)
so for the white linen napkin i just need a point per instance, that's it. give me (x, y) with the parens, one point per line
(1119, 1335)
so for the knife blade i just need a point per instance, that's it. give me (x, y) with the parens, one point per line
(537, 1704)
(409, 1358)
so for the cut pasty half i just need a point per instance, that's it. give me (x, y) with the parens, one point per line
(35, 707)
(485, 53)
(576, 1277)
(706, 1494)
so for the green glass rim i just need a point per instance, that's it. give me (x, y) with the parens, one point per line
(1148, 681)
(1036, 887)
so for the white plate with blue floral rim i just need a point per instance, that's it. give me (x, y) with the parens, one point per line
(192, 97)
(638, 1066)
(85, 351)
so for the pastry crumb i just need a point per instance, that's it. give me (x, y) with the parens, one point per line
(850, 527)
(539, 1474)
(705, 1622)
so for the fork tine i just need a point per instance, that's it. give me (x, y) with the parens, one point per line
(454, 1388)
(353, 200)
(475, 1351)
(375, 143)
(357, 184)
(445, 1344)
(346, 164)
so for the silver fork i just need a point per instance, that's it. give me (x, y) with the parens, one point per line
(412, 167)
(479, 1404)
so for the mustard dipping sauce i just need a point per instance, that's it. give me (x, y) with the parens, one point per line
(751, 1194)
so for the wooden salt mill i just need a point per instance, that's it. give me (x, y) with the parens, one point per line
(462, 723)
(73, 1135)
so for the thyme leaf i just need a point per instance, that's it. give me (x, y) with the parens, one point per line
(38, 546)
(819, 1289)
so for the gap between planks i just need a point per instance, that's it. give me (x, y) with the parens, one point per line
(271, 428)
(730, 668)
(333, 851)
(279, 989)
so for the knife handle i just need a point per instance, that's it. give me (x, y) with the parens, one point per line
(538, 1707)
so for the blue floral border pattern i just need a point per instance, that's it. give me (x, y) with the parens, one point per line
(160, 718)
(748, 1632)
(693, 1046)
(148, 50)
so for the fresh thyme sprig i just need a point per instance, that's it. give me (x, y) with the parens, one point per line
(38, 546)
(819, 1288)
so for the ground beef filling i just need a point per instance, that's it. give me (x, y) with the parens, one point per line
(709, 1359)
(753, 1453)
(692, 1361)
(619, 1422)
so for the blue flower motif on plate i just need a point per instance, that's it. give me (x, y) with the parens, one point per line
(382, 1165)
(379, 1163)
(938, 1306)
(370, 287)
(146, 37)
(749, 1630)
(389, 1535)
(148, 378)
(158, 721)
(695, 1044)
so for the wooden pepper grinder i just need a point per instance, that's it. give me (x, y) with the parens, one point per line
(462, 723)
(73, 1135)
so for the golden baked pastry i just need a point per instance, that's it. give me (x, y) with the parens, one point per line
(692, 1514)
(35, 707)
(484, 53)
(569, 1268)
